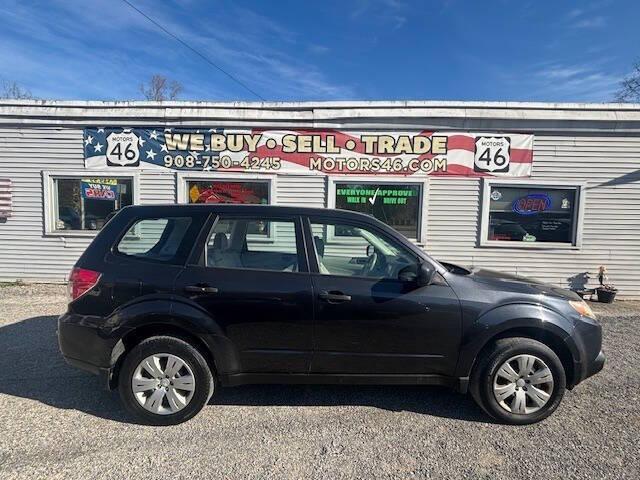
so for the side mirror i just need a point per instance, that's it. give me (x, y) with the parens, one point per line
(370, 250)
(409, 273)
(426, 272)
(422, 274)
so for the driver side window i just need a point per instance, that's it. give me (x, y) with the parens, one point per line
(354, 251)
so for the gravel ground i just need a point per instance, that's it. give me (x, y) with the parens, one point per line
(58, 423)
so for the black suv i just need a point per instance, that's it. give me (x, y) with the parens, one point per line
(168, 302)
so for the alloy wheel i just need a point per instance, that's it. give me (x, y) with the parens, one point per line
(523, 384)
(163, 383)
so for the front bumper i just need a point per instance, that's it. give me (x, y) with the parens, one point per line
(596, 365)
(85, 346)
(588, 338)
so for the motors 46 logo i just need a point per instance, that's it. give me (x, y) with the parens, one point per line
(122, 150)
(492, 154)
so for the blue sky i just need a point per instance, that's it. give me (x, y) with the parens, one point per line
(324, 50)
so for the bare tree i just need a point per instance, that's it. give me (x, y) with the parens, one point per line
(13, 90)
(160, 89)
(630, 86)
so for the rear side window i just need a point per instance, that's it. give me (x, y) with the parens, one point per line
(240, 243)
(157, 239)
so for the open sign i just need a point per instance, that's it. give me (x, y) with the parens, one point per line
(531, 204)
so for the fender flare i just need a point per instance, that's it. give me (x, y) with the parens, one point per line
(178, 314)
(515, 316)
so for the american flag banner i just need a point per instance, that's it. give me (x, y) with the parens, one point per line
(5, 197)
(322, 152)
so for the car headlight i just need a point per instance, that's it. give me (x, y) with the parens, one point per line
(582, 308)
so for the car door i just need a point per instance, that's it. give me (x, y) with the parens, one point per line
(252, 278)
(371, 317)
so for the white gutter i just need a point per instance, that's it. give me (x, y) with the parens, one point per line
(530, 116)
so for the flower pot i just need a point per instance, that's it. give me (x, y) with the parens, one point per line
(606, 296)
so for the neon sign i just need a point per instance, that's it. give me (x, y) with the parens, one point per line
(531, 204)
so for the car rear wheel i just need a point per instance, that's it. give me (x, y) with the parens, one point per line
(519, 381)
(165, 381)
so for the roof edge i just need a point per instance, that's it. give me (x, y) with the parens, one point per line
(307, 105)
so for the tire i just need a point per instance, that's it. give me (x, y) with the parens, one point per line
(529, 396)
(168, 392)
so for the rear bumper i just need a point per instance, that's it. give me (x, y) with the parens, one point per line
(84, 346)
(105, 374)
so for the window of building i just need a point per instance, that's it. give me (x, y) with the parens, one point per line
(85, 203)
(531, 214)
(366, 254)
(398, 205)
(156, 239)
(230, 245)
(232, 191)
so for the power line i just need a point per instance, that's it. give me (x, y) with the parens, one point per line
(206, 59)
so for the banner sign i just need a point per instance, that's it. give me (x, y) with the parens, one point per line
(418, 153)
(99, 189)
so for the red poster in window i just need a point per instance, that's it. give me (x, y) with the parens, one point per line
(228, 192)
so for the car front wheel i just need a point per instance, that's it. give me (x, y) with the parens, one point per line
(519, 381)
(165, 381)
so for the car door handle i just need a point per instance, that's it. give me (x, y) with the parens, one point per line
(200, 289)
(335, 297)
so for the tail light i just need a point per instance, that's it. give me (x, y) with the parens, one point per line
(81, 281)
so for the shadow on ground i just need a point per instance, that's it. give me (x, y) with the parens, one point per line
(33, 368)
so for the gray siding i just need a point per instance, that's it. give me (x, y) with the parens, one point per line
(26, 152)
(301, 190)
(611, 228)
(609, 162)
(26, 252)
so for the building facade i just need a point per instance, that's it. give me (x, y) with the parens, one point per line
(548, 191)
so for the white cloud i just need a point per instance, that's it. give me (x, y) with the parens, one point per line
(590, 82)
(106, 50)
(398, 21)
(318, 49)
(576, 12)
(391, 12)
(588, 15)
(591, 22)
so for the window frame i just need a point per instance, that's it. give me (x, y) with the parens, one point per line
(423, 183)
(183, 179)
(50, 200)
(200, 258)
(578, 213)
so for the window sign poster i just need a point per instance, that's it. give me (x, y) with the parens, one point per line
(397, 205)
(99, 189)
(321, 152)
(228, 192)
